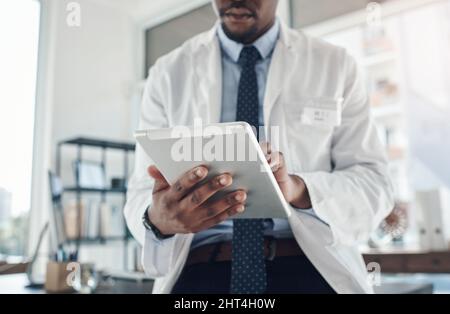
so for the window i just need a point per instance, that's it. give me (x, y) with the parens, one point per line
(407, 69)
(19, 35)
(306, 12)
(170, 35)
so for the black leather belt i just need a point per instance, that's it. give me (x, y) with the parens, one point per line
(221, 252)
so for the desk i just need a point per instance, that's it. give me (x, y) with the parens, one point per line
(409, 261)
(15, 284)
(12, 268)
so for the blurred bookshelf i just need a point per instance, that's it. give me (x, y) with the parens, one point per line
(94, 190)
(95, 240)
(88, 222)
(377, 49)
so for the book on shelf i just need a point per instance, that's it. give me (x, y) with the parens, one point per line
(106, 220)
(98, 219)
(433, 219)
(73, 213)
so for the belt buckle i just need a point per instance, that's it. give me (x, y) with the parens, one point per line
(272, 249)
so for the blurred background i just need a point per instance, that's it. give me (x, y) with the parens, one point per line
(72, 75)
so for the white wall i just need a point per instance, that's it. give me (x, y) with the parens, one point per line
(94, 71)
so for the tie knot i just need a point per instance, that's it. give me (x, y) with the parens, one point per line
(249, 56)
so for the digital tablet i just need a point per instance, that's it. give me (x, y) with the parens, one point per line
(222, 148)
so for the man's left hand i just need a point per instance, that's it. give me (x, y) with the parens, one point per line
(293, 187)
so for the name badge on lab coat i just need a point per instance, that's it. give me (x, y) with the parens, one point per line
(323, 112)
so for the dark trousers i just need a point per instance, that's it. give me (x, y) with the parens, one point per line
(285, 275)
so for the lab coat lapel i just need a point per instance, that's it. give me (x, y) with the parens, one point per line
(209, 77)
(280, 69)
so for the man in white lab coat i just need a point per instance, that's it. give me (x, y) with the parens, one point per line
(332, 169)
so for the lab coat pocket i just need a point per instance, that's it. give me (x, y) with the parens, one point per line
(310, 125)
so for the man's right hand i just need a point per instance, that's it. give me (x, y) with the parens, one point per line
(186, 207)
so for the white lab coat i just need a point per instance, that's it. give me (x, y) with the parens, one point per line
(341, 161)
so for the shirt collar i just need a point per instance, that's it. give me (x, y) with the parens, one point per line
(265, 44)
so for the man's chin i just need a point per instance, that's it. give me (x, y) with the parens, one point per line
(239, 33)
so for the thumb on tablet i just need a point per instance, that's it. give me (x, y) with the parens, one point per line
(160, 181)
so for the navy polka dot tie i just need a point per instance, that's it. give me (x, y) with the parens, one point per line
(248, 269)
